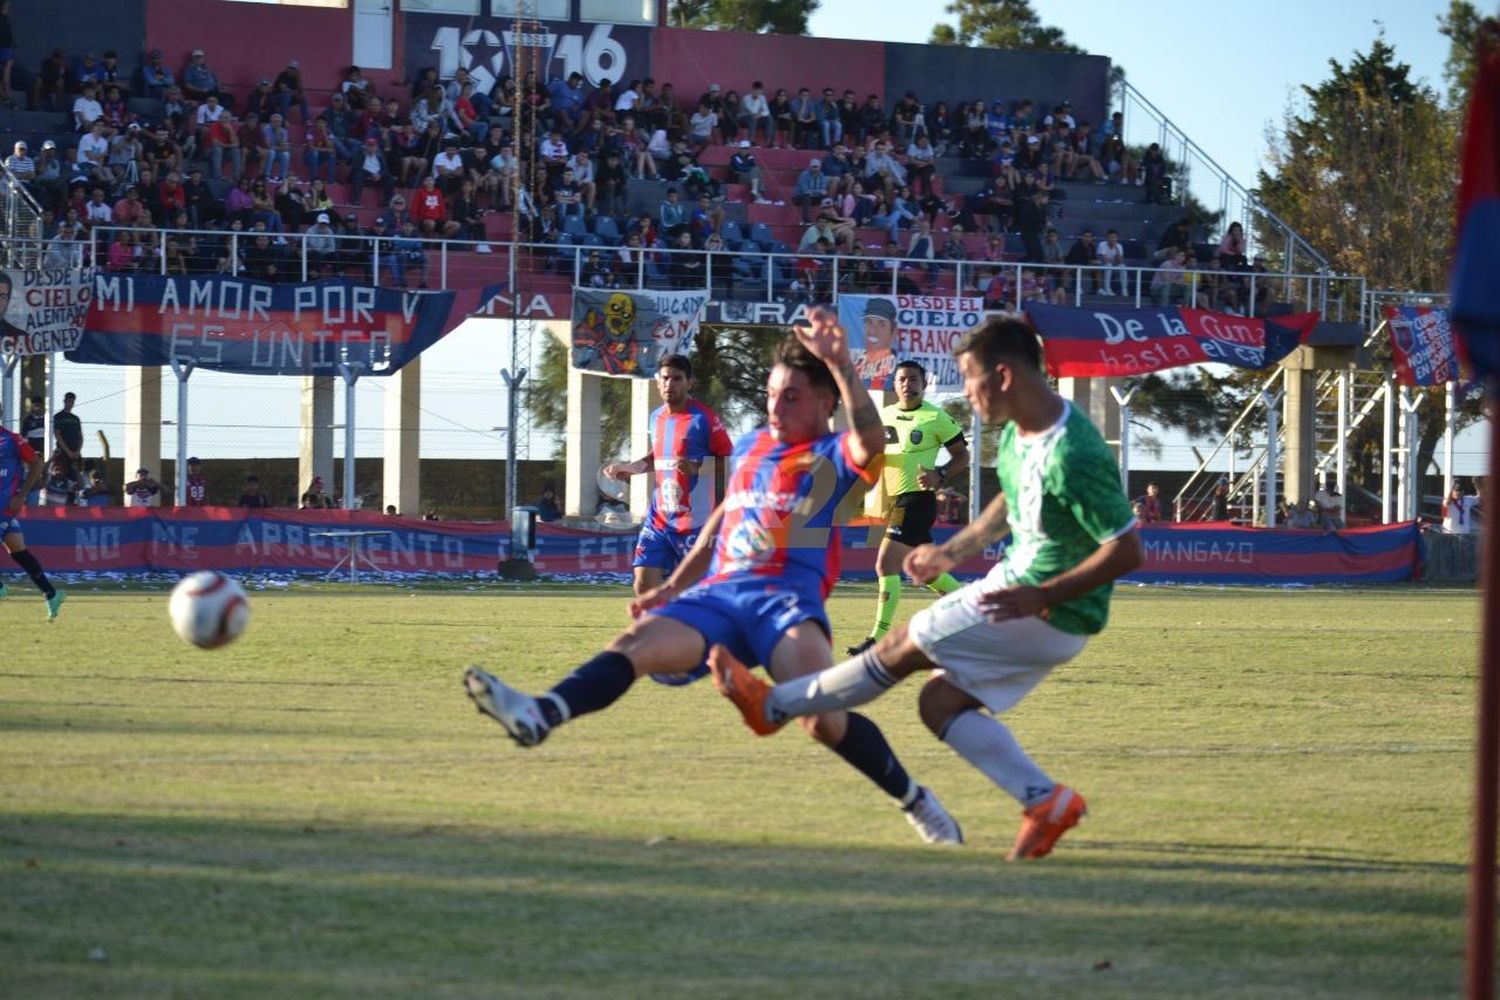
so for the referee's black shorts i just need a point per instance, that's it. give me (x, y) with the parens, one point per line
(911, 518)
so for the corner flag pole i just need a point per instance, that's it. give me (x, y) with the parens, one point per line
(1481, 946)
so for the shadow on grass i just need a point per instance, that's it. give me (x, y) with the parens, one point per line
(194, 907)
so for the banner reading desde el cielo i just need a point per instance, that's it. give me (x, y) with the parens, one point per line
(43, 310)
(628, 333)
(887, 329)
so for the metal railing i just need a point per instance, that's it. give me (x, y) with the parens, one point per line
(20, 219)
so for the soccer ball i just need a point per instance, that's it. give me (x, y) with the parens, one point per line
(208, 609)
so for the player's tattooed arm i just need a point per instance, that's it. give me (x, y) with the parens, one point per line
(975, 536)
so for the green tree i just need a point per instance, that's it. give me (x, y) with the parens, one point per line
(778, 17)
(729, 368)
(1000, 24)
(1461, 27)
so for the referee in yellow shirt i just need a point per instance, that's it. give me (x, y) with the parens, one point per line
(915, 431)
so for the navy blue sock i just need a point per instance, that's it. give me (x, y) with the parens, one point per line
(597, 684)
(865, 748)
(33, 569)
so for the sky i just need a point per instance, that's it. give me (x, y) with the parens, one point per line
(1220, 72)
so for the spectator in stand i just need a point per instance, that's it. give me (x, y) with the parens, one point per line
(98, 212)
(1154, 176)
(143, 491)
(671, 215)
(448, 167)
(755, 114)
(882, 169)
(64, 250)
(941, 128)
(20, 163)
(287, 91)
(263, 259)
(355, 87)
(251, 495)
(686, 264)
(567, 102)
(610, 182)
(156, 77)
(202, 207)
(1150, 504)
(702, 125)
(1082, 254)
(199, 82)
(407, 256)
(953, 247)
(464, 212)
(811, 189)
(370, 168)
(129, 210)
(872, 120)
(745, 169)
(261, 101)
(1178, 236)
(429, 210)
(120, 257)
(275, 145)
(898, 214)
(61, 485)
(197, 484)
(830, 122)
(1111, 256)
(906, 120)
(114, 110)
(322, 247)
(921, 163)
(1169, 283)
(1231, 251)
(98, 492)
(87, 109)
(319, 157)
(53, 81)
(67, 432)
(49, 187)
(341, 121)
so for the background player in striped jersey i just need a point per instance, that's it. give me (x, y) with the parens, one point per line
(684, 432)
(20, 472)
(915, 431)
(994, 640)
(771, 554)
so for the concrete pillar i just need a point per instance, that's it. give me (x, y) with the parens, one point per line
(582, 441)
(143, 422)
(645, 396)
(402, 484)
(1299, 452)
(315, 445)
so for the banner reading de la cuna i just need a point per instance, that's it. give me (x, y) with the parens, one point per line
(628, 333)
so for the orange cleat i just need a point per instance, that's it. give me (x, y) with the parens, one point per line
(1046, 822)
(739, 685)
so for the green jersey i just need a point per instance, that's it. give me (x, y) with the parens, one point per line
(912, 440)
(1064, 500)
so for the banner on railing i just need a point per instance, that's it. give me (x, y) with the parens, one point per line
(118, 539)
(1422, 345)
(628, 333)
(256, 328)
(43, 310)
(885, 330)
(1089, 343)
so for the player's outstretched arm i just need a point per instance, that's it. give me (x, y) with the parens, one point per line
(1105, 564)
(624, 470)
(826, 338)
(688, 572)
(926, 563)
(33, 480)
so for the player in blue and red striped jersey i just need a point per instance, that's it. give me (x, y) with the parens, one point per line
(684, 433)
(20, 472)
(770, 552)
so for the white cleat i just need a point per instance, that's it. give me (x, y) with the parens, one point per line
(932, 821)
(517, 713)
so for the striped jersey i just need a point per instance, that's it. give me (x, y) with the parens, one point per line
(16, 457)
(680, 499)
(783, 506)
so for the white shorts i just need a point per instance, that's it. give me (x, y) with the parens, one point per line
(997, 663)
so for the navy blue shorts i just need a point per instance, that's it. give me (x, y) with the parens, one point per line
(748, 616)
(662, 549)
(8, 524)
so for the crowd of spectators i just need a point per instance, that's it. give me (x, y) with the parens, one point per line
(243, 171)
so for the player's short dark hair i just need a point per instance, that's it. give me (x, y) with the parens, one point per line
(677, 362)
(5, 279)
(909, 363)
(1000, 339)
(792, 354)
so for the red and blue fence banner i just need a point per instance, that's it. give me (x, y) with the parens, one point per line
(249, 327)
(234, 539)
(1422, 345)
(1090, 343)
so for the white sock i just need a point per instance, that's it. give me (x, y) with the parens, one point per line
(843, 685)
(986, 743)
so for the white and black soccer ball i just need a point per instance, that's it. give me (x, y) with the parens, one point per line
(208, 609)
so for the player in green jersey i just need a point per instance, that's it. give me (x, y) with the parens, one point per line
(915, 432)
(1072, 535)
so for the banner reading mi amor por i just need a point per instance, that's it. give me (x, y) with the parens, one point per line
(43, 310)
(249, 327)
(1089, 343)
(885, 330)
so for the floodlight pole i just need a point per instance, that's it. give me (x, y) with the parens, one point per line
(182, 369)
(1342, 448)
(1388, 416)
(8, 392)
(349, 372)
(1124, 398)
(513, 419)
(1273, 428)
(1480, 973)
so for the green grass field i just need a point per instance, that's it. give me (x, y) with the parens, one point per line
(1278, 785)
